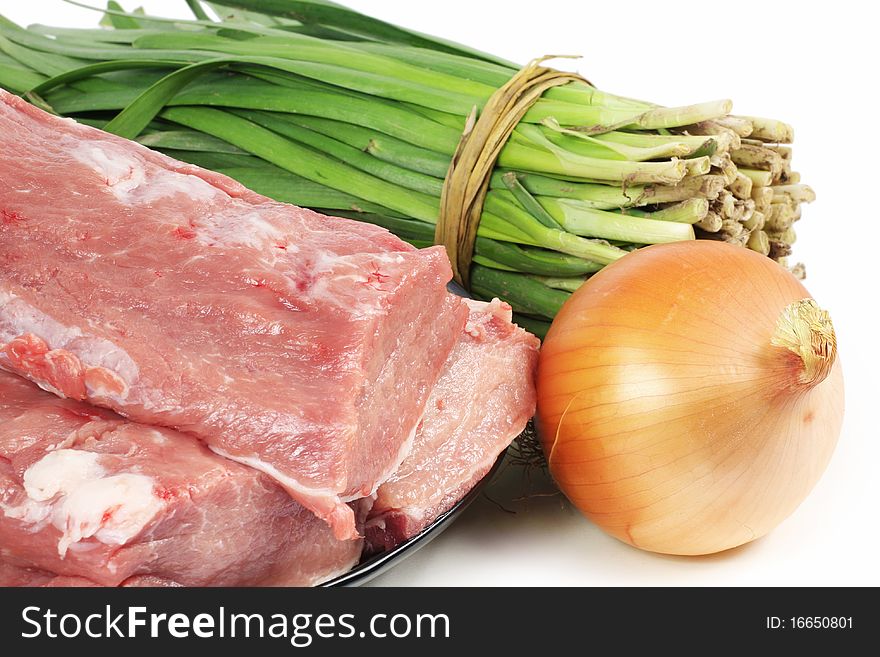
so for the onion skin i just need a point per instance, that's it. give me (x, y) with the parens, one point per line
(668, 415)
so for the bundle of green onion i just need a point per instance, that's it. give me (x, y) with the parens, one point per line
(310, 103)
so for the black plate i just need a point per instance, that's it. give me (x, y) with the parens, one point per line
(375, 566)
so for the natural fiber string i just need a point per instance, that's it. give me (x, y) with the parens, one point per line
(467, 181)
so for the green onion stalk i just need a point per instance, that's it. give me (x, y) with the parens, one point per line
(314, 104)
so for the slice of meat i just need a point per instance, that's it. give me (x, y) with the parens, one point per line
(87, 495)
(483, 400)
(20, 576)
(301, 345)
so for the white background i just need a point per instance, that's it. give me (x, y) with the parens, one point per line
(808, 63)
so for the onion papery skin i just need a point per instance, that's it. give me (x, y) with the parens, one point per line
(667, 415)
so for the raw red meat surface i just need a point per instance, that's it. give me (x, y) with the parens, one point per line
(302, 345)
(482, 401)
(88, 497)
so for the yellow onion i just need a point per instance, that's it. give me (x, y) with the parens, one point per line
(689, 397)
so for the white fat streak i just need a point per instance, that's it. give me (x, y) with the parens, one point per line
(156, 436)
(61, 471)
(402, 453)
(293, 485)
(133, 183)
(266, 468)
(127, 497)
(323, 288)
(94, 428)
(17, 318)
(246, 229)
(33, 513)
(122, 173)
(326, 261)
(42, 385)
(70, 488)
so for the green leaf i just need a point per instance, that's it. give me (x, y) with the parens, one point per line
(91, 70)
(120, 20)
(334, 15)
(198, 11)
(134, 118)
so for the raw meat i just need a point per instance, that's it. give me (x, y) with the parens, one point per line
(301, 345)
(17, 576)
(483, 400)
(88, 497)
